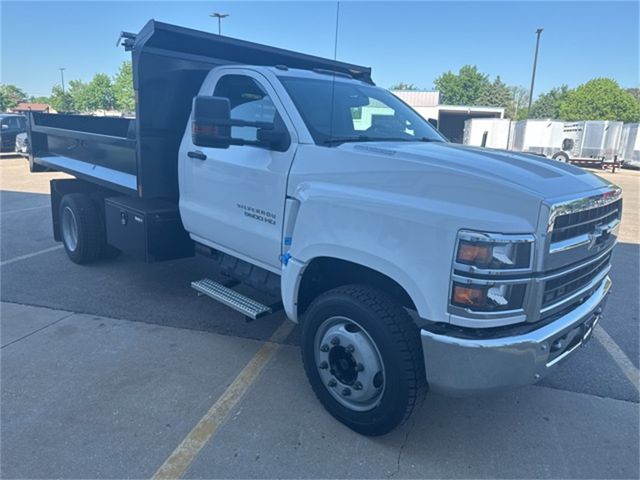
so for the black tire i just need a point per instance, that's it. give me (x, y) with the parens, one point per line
(397, 340)
(561, 157)
(90, 238)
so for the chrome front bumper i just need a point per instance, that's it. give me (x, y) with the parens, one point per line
(462, 366)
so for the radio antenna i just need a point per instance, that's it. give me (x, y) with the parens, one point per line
(335, 40)
(335, 58)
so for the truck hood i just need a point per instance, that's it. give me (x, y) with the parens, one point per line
(532, 174)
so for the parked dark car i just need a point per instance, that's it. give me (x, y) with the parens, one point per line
(10, 126)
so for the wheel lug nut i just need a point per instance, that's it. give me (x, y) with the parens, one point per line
(357, 386)
(324, 348)
(359, 367)
(332, 382)
(335, 341)
(350, 349)
(323, 365)
(346, 392)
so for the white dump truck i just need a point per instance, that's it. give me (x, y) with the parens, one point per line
(410, 262)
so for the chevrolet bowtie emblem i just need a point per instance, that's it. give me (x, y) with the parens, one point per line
(600, 232)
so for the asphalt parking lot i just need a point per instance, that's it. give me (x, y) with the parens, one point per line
(107, 369)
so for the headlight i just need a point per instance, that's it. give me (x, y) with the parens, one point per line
(490, 274)
(488, 251)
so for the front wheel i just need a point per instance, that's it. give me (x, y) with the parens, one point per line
(363, 358)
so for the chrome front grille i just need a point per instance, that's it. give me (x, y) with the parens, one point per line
(581, 228)
(566, 285)
(581, 233)
(572, 225)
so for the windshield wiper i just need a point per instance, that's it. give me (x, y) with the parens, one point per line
(359, 138)
(366, 138)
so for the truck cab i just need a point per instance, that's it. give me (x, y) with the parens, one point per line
(410, 262)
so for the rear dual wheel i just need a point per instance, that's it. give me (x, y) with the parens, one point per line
(82, 230)
(363, 358)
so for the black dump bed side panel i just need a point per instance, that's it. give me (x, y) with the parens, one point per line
(169, 65)
(98, 149)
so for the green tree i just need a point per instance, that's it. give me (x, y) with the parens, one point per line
(39, 99)
(547, 105)
(517, 107)
(62, 102)
(10, 96)
(123, 88)
(600, 99)
(98, 94)
(403, 86)
(77, 92)
(495, 94)
(463, 88)
(635, 92)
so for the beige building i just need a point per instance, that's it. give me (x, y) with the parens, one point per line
(449, 119)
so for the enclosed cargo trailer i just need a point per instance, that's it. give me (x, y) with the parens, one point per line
(629, 151)
(590, 143)
(487, 132)
(542, 137)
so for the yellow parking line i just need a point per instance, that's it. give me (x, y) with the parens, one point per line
(627, 367)
(176, 465)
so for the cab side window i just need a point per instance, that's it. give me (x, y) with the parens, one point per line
(249, 102)
(10, 122)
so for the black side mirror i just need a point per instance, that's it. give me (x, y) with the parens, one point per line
(211, 124)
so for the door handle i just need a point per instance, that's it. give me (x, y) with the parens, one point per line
(196, 154)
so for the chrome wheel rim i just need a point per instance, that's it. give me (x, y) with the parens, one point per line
(69, 229)
(349, 364)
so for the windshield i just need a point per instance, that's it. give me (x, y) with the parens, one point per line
(360, 113)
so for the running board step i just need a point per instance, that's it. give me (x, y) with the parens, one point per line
(231, 298)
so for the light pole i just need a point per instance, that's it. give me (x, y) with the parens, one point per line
(64, 96)
(219, 16)
(62, 69)
(533, 74)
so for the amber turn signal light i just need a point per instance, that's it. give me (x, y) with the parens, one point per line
(467, 295)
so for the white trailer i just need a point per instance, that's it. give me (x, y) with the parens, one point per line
(541, 137)
(590, 143)
(487, 132)
(629, 151)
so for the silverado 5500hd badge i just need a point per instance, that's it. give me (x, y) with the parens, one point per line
(258, 214)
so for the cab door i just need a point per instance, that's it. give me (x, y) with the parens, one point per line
(233, 199)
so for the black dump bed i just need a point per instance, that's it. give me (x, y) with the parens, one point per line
(139, 156)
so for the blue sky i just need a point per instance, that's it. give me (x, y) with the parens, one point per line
(403, 41)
